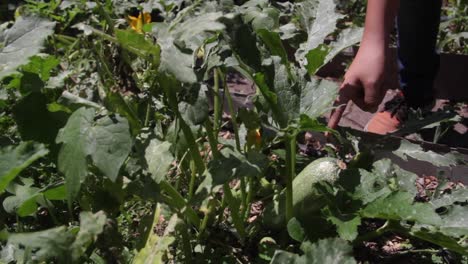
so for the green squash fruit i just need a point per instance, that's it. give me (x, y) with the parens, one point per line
(306, 199)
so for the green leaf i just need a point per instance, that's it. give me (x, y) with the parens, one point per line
(383, 180)
(111, 144)
(15, 159)
(23, 40)
(72, 157)
(347, 225)
(45, 244)
(260, 15)
(35, 121)
(415, 151)
(91, 226)
(42, 66)
(316, 58)
(347, 37)
(232, 165)
(176, 39)
(401, 206)
(284, 257)
(330, 251)
(106, 140)
(198, 111)
(318, 96)
(434, 236)
(273, 41)
(173, 60)
(455, 223)
(188, 36)
(295, 230)
(457, 195)
(416, 122)
(137, 44)
(156, 246)
(373, 185)
(287, 91)
(319, 18)
(159, 159)
(310, 124)
(56, 194)
(23, 200)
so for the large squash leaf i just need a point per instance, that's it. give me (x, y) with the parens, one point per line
(400, 206)
(407, 149)
(59, 243)
(23, 40)
(106, 140)
(176, 39)
(14, 160)
(319, 18)
(91, 225)
(159, 159)
(330, 251)
(47, 244)
(317, 97)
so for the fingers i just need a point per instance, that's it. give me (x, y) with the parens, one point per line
(373, 95)
(336, 115)
(346, 93)
(366, 96)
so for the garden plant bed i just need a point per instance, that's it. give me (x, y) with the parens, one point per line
(186, 131)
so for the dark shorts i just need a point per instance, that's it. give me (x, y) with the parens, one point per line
(418, 60)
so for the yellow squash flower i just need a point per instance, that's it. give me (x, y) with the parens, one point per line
(137, 23)
(254, 138)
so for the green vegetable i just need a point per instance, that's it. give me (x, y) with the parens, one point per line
(306, 199)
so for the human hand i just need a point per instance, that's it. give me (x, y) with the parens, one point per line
(365, 80)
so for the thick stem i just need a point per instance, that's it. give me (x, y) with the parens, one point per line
(193, 146)
(216, 101)
(374, 234)
(193, 176)
(176, 200)
(233, 113)
(147, 116)
(250, 195)
(212, 140)
(243, 188)
(186, 244)
(206, 218)
(290, 174)
(233, 206)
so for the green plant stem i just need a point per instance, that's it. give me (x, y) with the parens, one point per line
(206, 218)
(50, 208)
(216, 102)
(243, 188)
(193, 176)
(389, 225)
(290, 174)
(183, 13)
(234, 208)
(250, 195)
(186, 244)
(118, 103)
(193, 146)
(147, 115)
(418, 251)
(212, 139)
(106, 16)
(176, 200)
(233, 113)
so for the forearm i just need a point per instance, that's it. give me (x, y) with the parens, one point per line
(379, 22)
